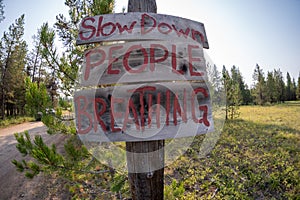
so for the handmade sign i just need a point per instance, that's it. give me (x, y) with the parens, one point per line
(142, 90)
(142, 112)
(143, 61)
(139, 26)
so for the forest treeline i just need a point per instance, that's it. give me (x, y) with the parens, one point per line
(268, 88)
(38, 79)
(34, 80)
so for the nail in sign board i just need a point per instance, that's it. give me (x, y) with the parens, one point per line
(146, 90)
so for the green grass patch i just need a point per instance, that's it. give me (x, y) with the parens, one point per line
(256, 157)
(14, 120)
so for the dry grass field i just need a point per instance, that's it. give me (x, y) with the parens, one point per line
(256, 157)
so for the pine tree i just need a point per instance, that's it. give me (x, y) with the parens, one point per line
(37, 98)
(233, 95)
(245, 96)
(259, 86)
(294, 90)
(68, 31)
(289, 87)
(215, 84)
(272, 92)
(35, 60)
(236, 101)
(298, 88)
(227, 87)
(279, 85)
(16, 76)
(13, 60)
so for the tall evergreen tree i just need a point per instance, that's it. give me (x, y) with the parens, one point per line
(13, 60)
(279, 85)
(35, 60)
(238, 79)
(215, 84)
(233, 97)
(259, 86)
(289, 87)
(298, 87)
(51, 57)
(226, 83)
(294, 90)
(236, 101)
(272, 92)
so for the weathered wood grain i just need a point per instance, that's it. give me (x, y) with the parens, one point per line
(142, 6)
(141, 156)
(143, 112)
(142, 62)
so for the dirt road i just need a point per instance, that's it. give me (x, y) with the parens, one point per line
(13, 184)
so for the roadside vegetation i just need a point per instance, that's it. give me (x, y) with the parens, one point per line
(15, 120)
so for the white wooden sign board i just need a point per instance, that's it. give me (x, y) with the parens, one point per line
(150, 86)
(140, 26)
(143, 61)
(143, 112)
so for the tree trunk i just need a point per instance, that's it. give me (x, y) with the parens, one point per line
(142, 6)
(35, 61)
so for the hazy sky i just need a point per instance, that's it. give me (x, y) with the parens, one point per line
(240, 32)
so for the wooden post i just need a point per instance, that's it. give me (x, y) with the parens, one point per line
(148, 185)
(142, 6)
(143, 156)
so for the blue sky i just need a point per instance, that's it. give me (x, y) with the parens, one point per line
(240, 32)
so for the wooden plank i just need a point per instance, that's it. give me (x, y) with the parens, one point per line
(143, 112)
(140, 26)
(142, 6)
(143, 61)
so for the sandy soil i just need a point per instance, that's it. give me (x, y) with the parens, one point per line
(13, 184)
